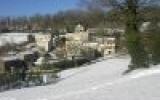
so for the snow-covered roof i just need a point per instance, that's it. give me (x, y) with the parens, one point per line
(27, 52)
(12, 53)
(9, 58)
(11, 38)
(30, 45)
(39, 61)
(144, 26)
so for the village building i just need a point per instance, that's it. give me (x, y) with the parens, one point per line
(82, 40)
(109, 46)
(79, 34)
(109, 39)
(43, 41)
(74, 41)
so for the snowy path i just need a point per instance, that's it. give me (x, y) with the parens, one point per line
(99, 81)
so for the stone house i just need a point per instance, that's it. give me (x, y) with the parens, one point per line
(108, 46)
(109, 41)
(43, 41)
(79, 35)
(81, 39)
(74, 41)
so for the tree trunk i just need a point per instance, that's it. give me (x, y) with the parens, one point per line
(136, 50)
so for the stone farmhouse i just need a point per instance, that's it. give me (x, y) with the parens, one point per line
(75, 41)
(81, 39)
(43, 41)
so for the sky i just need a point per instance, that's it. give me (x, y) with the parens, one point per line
(31, 7)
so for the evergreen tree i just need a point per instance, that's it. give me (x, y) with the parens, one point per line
(131, 12)
(136, 50)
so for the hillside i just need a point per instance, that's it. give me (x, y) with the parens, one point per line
(102, 80)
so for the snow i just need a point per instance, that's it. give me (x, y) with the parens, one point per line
(102, 80)
(16, 38)
(9, 58)
(39, 61)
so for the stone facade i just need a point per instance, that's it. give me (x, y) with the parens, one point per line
(79, 40)
(109, 46)
(74, 41)
(43, 41)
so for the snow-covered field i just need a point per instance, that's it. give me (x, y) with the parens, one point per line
(99, 81)
(13, 38)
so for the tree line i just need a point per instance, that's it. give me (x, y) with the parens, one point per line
(89, 18)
